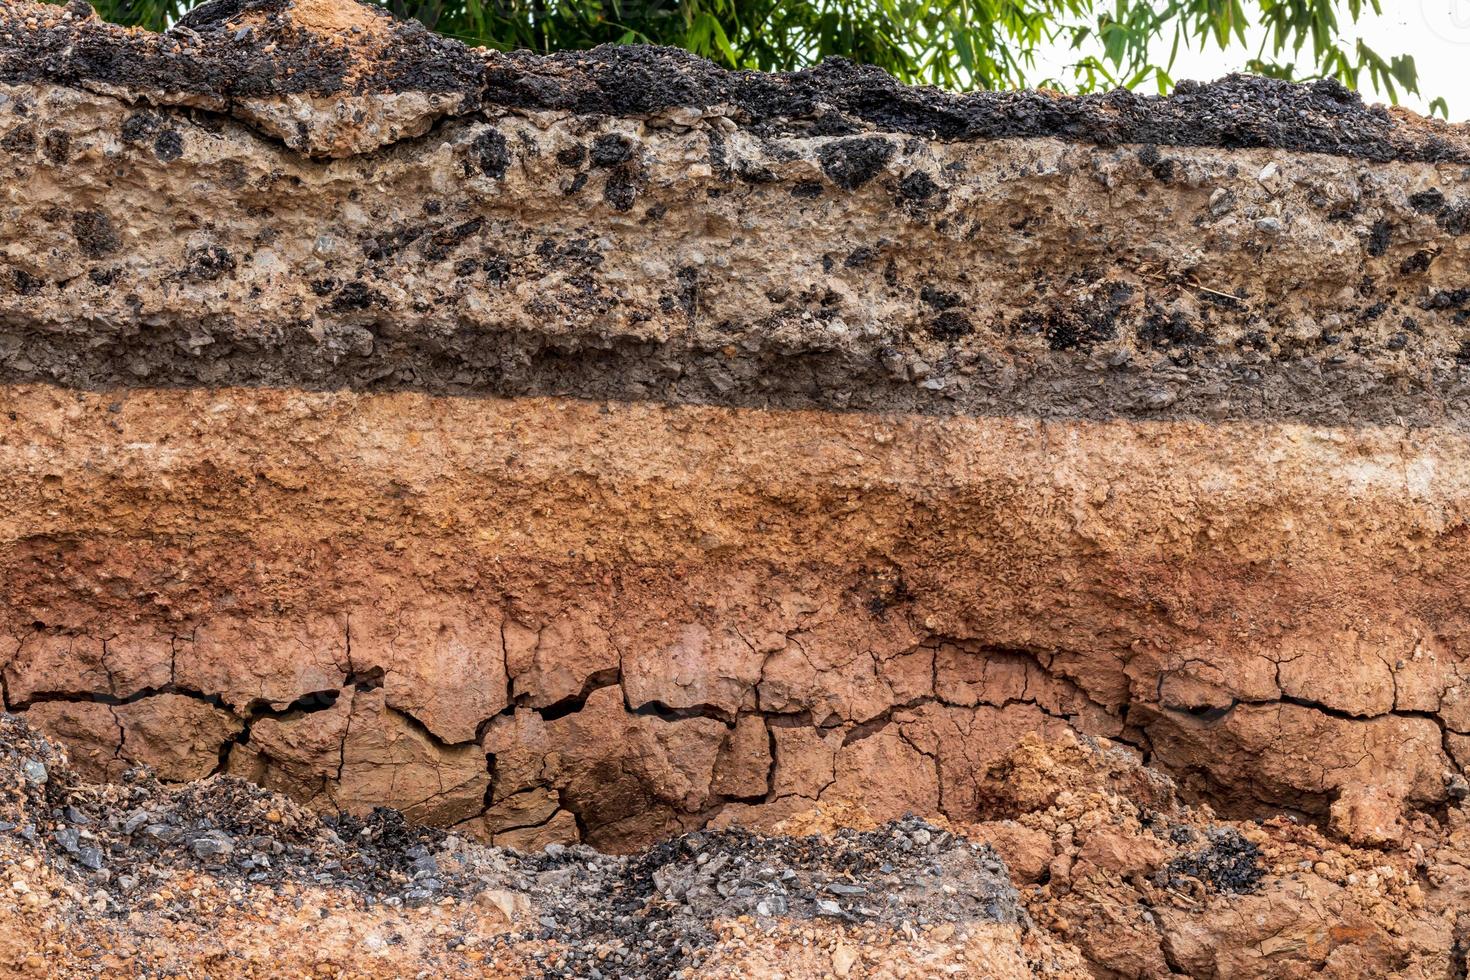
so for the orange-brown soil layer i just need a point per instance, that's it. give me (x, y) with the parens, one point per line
(547, 619)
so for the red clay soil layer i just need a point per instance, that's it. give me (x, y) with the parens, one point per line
(543, 619)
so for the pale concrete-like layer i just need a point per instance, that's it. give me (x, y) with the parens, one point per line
(649, 617)
(683, 257)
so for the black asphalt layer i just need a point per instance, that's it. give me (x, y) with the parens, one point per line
(253, 48)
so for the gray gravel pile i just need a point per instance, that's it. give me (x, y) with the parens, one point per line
(649, 915)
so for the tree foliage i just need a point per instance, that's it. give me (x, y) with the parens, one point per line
(957, 44)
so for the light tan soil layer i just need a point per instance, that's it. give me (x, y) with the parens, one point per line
(650, 617)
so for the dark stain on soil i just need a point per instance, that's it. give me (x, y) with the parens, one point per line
(95, 234)
(611, 149)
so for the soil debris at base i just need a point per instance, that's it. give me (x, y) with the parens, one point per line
(222, 878)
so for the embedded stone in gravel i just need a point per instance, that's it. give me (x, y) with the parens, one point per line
(1229, 864)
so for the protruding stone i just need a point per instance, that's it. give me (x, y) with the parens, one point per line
(885, 775)
(1298, 756)
(805, 760)
(1027, 852)
(1368, 815)
(1120, 854)
(90, 732)
(299, 754)
(1336, 671)
(966, 741)
(632, 778)
(844, 669)
(700, 667)
(178, 737)
(58, 663)
(271, 661)
(359, 753)
(444, 666)
(559, 660)
(560, 829)
(744, 765)
(138, 661)
(387, 757)
(529, 809)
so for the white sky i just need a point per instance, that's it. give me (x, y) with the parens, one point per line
(1435, 32)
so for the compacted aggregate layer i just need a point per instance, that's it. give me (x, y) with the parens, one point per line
(605, 447)
(633, 224)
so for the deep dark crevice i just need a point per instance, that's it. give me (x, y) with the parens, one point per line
(367, 680)
(562, 803)
(1349, 716)
(257, 708)
(122, 733)
(173, 654)
(107, 668)
(510, 681)
(872, 726)
(342, 748)
(788, 719)
(347, 645)
(1166, 947)
(1252, 801)
(489, 799)
(1460, 952)
(40, 697)
(1215, 714)
(1144, 743)
(242, 737)
(756, 800)
(657, 709)
(424, 730)
(1205, 713)
(571, 705)
(306, 704)
(771, 769)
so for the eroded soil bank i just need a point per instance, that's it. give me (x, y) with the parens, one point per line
(604, 448)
